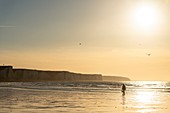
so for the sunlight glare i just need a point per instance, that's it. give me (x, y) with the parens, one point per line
(144, 100)
(145, 17)
(145, 97)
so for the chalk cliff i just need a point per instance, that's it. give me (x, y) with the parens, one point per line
(7, 73)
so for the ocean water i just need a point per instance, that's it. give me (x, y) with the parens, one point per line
(84, 97)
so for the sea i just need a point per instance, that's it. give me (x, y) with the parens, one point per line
(85, 97)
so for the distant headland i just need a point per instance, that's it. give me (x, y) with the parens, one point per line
(9, 74)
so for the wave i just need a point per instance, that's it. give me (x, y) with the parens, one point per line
(88, 86)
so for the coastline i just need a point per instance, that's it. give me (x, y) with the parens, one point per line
(10, 74)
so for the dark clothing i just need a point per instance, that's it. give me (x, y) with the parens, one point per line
(123, 89)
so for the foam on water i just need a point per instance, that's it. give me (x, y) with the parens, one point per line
(88, 86)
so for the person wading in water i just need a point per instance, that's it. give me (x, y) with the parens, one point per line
(123, 89)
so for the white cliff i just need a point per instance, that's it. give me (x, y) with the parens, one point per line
(7, 73)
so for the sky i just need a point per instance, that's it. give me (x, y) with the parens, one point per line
(129, 38)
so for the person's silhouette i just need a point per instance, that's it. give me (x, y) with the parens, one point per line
(123, 89)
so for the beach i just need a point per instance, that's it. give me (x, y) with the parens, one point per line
(73, 97)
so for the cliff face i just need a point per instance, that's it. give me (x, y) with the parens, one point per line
(9, 74)
(35, 75)
(6, 73)
(115, 78)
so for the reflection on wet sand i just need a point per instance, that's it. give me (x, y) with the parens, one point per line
(80, 97)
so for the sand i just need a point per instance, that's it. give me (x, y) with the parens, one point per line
(82, 100)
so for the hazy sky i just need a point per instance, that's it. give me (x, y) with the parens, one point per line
(116, 36)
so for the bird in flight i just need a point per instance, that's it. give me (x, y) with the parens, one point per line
(148, 54)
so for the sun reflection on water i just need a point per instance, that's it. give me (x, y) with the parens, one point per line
(145, 97)
(146, 101)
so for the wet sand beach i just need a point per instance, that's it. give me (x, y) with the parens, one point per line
(81, 98)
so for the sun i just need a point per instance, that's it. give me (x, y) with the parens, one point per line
(145, 17)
